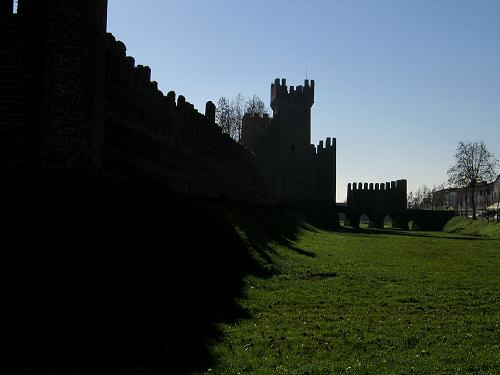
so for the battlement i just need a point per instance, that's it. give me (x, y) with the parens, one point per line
(281, 94)
(377, 197)
(397, 185)
(327, 146)
(132, 83)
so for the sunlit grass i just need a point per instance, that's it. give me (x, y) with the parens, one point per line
(370, 302)
(471, 227)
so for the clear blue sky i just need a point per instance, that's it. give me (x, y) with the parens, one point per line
(398, 82)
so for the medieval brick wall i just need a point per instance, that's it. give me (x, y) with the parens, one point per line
(73, 100)
(71, 94)
(52, 90)
(16, 76)
(147, 132)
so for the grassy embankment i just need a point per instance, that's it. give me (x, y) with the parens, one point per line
(470, 227)
(367, 302)
(122, 278)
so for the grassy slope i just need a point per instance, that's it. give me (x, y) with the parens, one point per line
(105, 277)
(473, 227)
(369, 302)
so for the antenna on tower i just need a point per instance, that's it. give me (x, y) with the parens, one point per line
(306, 72)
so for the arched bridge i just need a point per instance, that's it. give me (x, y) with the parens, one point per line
(378, 201)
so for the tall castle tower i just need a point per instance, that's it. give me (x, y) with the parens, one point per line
(293, 108)
(302, 175)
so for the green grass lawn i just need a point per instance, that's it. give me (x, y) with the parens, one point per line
(368, 302)
(480, 227)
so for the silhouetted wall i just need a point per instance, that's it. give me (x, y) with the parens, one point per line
(379, 200)
(378, 197)
(73, 100)
(376, 201)
(168, 139)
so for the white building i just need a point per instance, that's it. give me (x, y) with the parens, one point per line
(486, 197)
(495, 206)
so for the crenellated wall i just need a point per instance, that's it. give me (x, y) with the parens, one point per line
(379, 200)
(376, 200)
(168, 139)
(377, 197)
(324, 180)
(72, 99)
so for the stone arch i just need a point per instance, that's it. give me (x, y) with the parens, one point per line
(343, 219)
(388, 221)
(400, 221)
(414, 224)
(365, 221)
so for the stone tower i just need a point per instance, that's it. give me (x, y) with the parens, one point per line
(302, 175)
(292, 117)
(293, 108)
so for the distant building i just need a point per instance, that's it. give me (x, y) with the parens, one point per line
(486, 197)
(496, 195)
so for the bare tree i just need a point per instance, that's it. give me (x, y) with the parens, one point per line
(411, 200)
(237, 112)
(474, 163)
(229, 114)
(427, 197)
(223, 114)
(255, 105)
(415, 198)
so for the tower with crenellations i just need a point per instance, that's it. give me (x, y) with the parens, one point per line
(303, 175)
(292, 106)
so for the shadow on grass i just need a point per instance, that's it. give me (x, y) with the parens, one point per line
(265, 226)
(400, 232)
(300, 251)
(104, 277)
